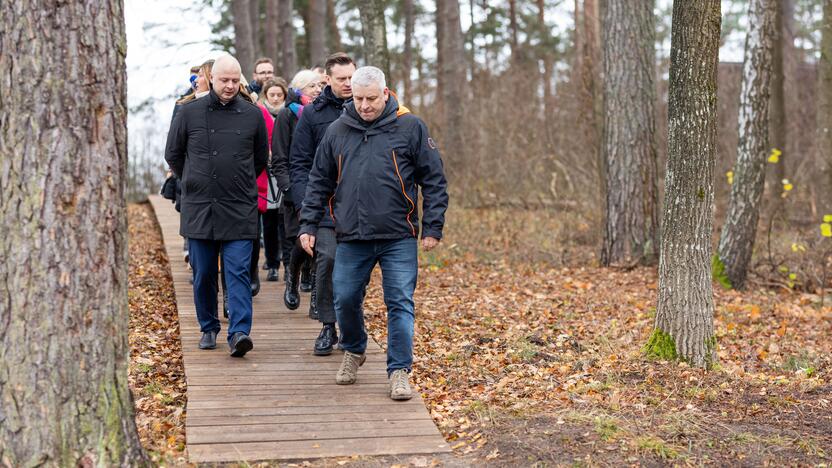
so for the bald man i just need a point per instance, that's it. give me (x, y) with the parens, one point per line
(217, 146)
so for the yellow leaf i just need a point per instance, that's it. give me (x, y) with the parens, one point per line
(774, 157)
(730, 176)
(826, 230)
(792, 276)
(794, 247)
(827, 218)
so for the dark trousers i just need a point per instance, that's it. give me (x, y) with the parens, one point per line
(325, 244)
(278, 249)
(236, 257)
(354, 262)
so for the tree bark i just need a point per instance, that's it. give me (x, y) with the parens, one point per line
(317, 32)
(254, 17)
(64, 398)
(548, 68)
(271, 27)
(407, 56)
(777, 126)
(288, 56)
(374, 32)
(243, 44)
(334, 37)
(629, 143)
(736, 243)
(451, 74)
(685, 300)
(824, 116)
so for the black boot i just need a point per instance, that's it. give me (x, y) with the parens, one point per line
(326, 340)
(306, 280)
(313, 299)
(291, 297)
(272, 275)
(255, 285)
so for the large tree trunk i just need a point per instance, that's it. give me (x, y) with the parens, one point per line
(271, 27)
(64, 399)
(586, 75)
(243, 43)
(256, 32)
(777, 126)
(451, 74)
(684, 316)
(334, 36)
(407, 56)
(374, 32)
(629, 143)
(317, 32)
(288, 57)
(736, 244)
(825, 110)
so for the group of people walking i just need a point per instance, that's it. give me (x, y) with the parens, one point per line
(331, 165)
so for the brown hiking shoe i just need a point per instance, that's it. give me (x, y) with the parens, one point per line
(400, 385)
(349, 368)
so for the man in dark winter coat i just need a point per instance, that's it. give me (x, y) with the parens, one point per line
(217, 146)
(367, 172)
(309, 132)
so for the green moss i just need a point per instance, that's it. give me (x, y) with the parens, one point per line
(660, 346)
(719, 274)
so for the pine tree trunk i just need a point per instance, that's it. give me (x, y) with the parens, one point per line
(777, 109)
(317, 32)
(736, 244)
(374, 32)
(271, 28)
(548, 69)
(451, 74)
(407, 56)
(334, 36)
(254, 18)
(629, 143)
(685, 303)
(288, 56)
(825, 110)
(243, 44)
(64, 398)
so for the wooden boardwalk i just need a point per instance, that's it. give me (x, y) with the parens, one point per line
(281, 402)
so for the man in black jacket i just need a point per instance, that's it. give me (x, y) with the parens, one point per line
(367, 173)
(309, 132)
(217, 146)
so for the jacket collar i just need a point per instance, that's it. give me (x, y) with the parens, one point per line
(385, 122)
(328, 98)
(215, 100)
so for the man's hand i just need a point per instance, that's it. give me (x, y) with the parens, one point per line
(307, 241)
(429, 243)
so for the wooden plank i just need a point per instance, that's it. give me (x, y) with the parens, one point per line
(281, 402)
(295, 450)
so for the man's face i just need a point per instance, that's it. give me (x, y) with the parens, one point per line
(369, 101)
(226, 83)
(263, 72)
(339, 80)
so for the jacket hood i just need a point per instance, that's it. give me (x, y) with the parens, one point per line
(328, 98)
(387, 118)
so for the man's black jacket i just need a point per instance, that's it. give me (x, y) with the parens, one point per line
(309, 132)
(217, 151)
(368, 175)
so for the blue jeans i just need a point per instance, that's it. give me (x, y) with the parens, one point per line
(236, 257)
(354, 262)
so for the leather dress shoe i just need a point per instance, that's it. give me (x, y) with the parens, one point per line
(255, 286)
(272, 276)
(225, 305)
(208, 340)
(326, 340)
(240, 344)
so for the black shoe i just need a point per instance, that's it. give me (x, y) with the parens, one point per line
(306, 280)
(326, 340)
(240, 344)
(266, 266)
(208, 340)
(224, 305)
(313, 306)
(285, 273)
(255, 286)
(272, 276)
(291, 297)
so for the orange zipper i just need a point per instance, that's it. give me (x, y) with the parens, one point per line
(412, 205)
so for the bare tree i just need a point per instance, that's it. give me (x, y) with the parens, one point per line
(334, 35)
(451, 73)
(317, 32)
(243, 43)
(736, 244)
(781, 52)
(684, 315)
(407, 56)
(374, 32)
(825, 108)
(629, 143)
(288, 56)
(256, 32)
(64, 398)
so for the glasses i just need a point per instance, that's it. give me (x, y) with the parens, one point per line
(265, 72)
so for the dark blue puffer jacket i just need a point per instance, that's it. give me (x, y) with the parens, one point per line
(367, 175)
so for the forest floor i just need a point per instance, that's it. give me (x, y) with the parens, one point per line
(525, 359)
